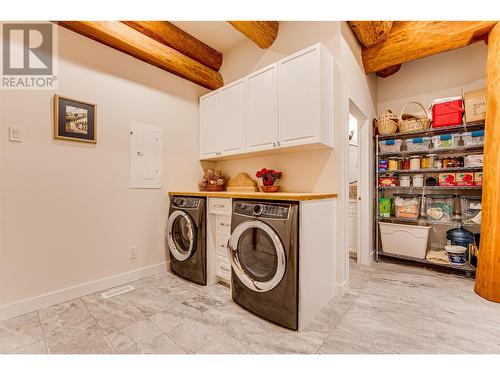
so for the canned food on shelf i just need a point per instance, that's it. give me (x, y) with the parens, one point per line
(414, 162)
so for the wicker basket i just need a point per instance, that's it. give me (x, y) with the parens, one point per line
(413, 123)
(387, 123)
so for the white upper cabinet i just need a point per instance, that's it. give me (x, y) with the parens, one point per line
(208, 126)
(286, 104)
(304, 115)
(231, 118)
(262, 109)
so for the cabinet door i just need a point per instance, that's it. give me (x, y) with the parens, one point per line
(262, 110)
(231, 114)
(300, 98)
(208, 126)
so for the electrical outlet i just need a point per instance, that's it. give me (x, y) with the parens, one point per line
(133, 252)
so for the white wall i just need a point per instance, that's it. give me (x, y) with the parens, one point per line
(437, 76)
(67, 216)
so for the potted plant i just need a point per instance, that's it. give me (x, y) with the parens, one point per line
(269, 177)
(213, 180)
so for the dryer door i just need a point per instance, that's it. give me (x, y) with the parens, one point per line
(181, 235)
(257, 255)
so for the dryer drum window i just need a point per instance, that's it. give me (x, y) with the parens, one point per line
(257, 254)
(181, 235)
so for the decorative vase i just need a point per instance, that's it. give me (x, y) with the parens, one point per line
(269, 188)
(214, 187)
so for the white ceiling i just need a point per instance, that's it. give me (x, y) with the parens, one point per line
(219, 35)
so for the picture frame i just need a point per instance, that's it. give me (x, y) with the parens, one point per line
(74, 120)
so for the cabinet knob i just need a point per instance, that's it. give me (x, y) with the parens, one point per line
(274, 144)
(279, 143)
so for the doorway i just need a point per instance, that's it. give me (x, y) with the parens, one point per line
(352, 186)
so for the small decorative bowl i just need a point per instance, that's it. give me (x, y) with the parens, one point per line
(269, 189)
(216, 187)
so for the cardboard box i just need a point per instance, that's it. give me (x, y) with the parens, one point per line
(447, 179)
(465, 179)
(475, 106)
(478, 178)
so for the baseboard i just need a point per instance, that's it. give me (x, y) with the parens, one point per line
(341, 289)
(44, 300)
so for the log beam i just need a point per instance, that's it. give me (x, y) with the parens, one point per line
(262, 33)
(488, 270)
(384, 73)
(412, 40)
(176, 38)
(117, 35)
(370, 32)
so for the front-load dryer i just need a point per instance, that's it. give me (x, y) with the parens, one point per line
(263, 252)
(186, 238)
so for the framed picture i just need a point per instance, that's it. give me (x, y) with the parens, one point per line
(74, 120)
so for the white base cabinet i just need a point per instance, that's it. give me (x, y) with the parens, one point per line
(317, 251)
(288, 104)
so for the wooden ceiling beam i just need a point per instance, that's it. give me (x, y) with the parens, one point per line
(176, 38)
(370, 32)
(412, 40)
(117, 35)
(262, 33)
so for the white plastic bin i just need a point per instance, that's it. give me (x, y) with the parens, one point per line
(406, 240)
(389, 145)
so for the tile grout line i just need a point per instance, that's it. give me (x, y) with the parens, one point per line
(98, 326)
(345, 312)
(43, 334)
(166, 334)
(149, 319)
(334, 327)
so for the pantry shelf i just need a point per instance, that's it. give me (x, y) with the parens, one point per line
(421, 221)
(432, 131)
(467, 267)
(448, 143)
(433, 170)
(451, 150)
(410, 188)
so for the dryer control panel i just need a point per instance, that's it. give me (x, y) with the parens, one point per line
(185, 202)
(262, 210)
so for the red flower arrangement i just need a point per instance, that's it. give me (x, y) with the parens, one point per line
(269, 176)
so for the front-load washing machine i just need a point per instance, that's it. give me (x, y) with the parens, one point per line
(186, 238)
(263, 252)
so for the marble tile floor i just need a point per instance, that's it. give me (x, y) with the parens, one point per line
(390, 308)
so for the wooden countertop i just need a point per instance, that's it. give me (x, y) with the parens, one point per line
(282, 196)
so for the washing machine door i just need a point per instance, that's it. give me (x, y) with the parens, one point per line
(257, 255)
(181, 235)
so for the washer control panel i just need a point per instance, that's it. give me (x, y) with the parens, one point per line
(263, 210)
(184, 202)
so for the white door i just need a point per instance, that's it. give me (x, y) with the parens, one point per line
(208, 126)
(262, 110)
(300, 98)
(231, 114)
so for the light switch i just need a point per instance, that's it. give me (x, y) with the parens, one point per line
(15, 134)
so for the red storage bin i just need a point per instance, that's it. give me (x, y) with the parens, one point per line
(447, 114)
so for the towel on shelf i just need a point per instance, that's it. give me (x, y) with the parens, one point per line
(437, 256)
